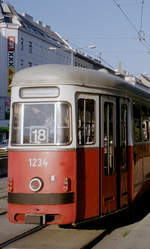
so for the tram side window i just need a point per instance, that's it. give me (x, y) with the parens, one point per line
(141, 118)
(86, 121)
(145, 123)
(137, 122)
(108, 138)
(124, 113)
(62, 123)
(148, 124)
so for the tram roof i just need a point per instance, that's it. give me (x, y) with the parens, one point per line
(51, 74)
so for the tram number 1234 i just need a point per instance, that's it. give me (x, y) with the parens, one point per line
(37, 162)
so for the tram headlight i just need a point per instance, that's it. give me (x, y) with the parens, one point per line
(67, 184)
(35, 184)
(10, 184)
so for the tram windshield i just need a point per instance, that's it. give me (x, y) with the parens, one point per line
(41, 123)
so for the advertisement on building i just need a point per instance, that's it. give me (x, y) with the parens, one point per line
(11, 60)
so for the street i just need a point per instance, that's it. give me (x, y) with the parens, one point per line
(117, 232)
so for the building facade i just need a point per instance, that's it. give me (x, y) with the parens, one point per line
(25, 43)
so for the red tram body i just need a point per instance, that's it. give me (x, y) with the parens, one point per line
(79, 145)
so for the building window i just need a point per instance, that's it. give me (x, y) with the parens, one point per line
(30, 64)
(22, 43)
(7, 19)
(30, 47)
(21, 62)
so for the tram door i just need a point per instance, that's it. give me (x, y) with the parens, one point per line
(123, 154)
(108, 155)
(87, 156)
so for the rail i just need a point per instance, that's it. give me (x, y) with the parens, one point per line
(23, 235)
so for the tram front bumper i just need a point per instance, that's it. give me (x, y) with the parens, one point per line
(35, 219)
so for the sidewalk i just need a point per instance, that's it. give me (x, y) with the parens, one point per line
(139, 237)
(133, 236)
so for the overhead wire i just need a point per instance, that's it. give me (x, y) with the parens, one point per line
(140, 33)
(125, 15)
(144, 42)
(141, 24)
(95, 36)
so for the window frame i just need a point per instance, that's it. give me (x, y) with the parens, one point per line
(141, 122)
(88, 96)
(124, 134)
(22, 105)
(22, 43)
(30, 47)
(111, 100)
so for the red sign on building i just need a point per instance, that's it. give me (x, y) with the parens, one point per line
(11, 43)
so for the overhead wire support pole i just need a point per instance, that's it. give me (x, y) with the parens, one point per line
(141, 24)
(141, 33)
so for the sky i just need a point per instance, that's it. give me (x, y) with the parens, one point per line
(119, 29)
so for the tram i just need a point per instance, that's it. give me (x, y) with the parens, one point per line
(79, 145)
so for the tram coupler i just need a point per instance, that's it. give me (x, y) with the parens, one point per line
(35, 219)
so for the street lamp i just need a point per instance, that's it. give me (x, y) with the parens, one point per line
(91, 46)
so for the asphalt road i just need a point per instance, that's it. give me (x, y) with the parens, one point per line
(120, 231)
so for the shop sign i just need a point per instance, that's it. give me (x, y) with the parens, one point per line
(11, 61)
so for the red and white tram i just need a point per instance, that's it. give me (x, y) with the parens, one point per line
(79, 144)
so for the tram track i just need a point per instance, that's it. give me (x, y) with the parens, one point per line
(56, 237)
(3, 201)
(95, 241)
(3, 197)
(3, 211)
(22, 235)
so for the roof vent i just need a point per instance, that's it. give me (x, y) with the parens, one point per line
(48, 27)
(5, 8)
(131, 79)
(145, 80)
(30, 18)
(39, 23)
(103, 70)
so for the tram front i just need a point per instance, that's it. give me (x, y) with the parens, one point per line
(41, 158)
